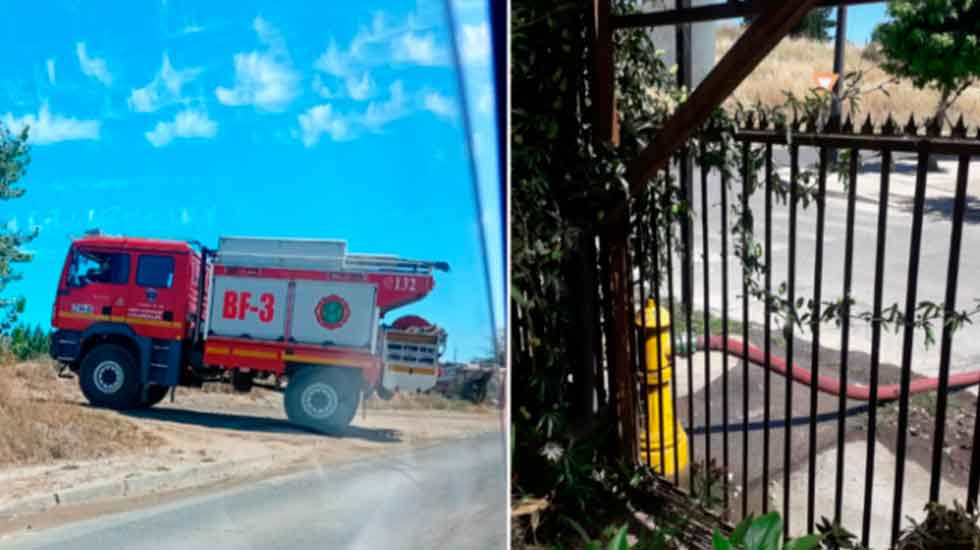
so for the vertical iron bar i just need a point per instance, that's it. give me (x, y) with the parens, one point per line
(641, 226)
(746, 151)
(845, 334)
(707, 305)
(660, 328)
(688, 267)
(869, 466)
(673, 336)
(949, 305)
(767, 333)
(724, 324)
(815, 324)
(794, 156)
(974, 484)
(910, 306)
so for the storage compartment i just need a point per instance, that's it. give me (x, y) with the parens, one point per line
(335, 313)
(249, 307)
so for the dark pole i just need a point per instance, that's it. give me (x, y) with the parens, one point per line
(685, 170)
(840, 41)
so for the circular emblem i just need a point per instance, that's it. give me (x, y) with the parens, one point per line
(332, 312)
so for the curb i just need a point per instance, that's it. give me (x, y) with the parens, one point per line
(149, 483)
(119, 488)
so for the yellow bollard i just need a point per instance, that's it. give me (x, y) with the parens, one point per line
(662, 450)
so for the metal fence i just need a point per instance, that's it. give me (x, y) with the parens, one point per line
(658, 276)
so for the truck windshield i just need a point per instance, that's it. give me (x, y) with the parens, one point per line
(98, 267)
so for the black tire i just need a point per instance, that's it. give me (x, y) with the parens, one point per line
(242, 381)
(154, 395)
(109, 377)
(323, 399)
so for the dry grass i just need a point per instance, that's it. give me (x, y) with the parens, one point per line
(424, 401)
(43, 418)
(790, 67)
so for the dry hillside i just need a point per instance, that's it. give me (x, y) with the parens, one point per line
(791, 65)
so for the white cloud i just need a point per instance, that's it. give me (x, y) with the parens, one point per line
(320, 120)
(50, 66)
(332, 61)
(187, 124)
(383, 42)
(475, 48)
(320, 88)
(419, 49)
(323, 119)
(382, 112)
(163, 90)
(360, 89)
(91, 214)
(265, 79)
(93, 66)
(440, 105)
(46, 128)
(185, 216)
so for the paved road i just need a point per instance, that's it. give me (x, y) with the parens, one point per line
(448, 496)
(933, 261)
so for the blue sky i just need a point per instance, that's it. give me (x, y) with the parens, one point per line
(192, 120)
(861, 21)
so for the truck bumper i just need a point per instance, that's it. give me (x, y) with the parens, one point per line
(65, 345)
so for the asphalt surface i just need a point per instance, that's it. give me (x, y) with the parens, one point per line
(932, 276)
(452, 495)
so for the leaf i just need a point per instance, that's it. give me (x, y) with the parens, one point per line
(578, 529)
(718, 542)
(764, 533)
(808, 542)
(738, 535)
(619, 542)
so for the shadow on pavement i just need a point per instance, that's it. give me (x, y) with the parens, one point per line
(258, 424)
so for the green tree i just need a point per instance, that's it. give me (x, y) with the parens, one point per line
(14, 158)
(815, 25)
(935, 44)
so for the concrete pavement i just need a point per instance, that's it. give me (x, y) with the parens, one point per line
(452, 495)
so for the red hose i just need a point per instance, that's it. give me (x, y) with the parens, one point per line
(830, 385)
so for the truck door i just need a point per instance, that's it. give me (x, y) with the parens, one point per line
(156, 302)
(96, 286)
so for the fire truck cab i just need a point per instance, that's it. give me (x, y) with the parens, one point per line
(136, 317)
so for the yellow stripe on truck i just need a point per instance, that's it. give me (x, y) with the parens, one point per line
(429, 371)
(340, 362)
(256, 354)
(120, 319)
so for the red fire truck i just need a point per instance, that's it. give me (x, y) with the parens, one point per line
(136, 317)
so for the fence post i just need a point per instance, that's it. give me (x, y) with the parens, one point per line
(619, 338)
(583, 277)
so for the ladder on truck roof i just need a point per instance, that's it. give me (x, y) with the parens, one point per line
(318, 254)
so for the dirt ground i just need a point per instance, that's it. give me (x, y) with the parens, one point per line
(249, 433)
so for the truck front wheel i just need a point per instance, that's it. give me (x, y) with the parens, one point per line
(322, 398)
(109, 377)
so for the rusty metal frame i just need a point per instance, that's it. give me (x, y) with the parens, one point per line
(712, 12)
(774, 21)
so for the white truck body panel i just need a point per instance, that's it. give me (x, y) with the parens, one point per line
(247, 307)
(351, 323)
(286, 310)
(319, 254)
(411, 361)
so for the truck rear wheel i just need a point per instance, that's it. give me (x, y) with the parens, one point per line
(154, 395)
(322, 398)
(109, 377)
